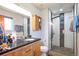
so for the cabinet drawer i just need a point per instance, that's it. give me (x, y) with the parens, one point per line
(24, 51)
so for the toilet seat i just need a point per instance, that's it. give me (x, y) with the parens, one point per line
(44, 49)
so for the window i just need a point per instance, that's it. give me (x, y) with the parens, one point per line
(8, 24)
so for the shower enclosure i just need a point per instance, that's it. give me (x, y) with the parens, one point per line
(62, 37)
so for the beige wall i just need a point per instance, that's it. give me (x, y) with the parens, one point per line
(18, 19)
(43, 33)
(77, 42)
(44, 30)
(33, 10)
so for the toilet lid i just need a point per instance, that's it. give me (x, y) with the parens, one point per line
(44, 48)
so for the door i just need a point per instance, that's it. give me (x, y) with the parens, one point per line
(56, 32)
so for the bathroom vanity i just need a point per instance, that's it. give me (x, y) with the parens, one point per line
(24, 48)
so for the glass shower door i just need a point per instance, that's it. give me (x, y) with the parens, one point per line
(56, 32)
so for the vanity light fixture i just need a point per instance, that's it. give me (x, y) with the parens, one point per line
(61, 9)
(15, 8)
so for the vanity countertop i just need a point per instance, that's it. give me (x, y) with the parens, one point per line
(19, 43)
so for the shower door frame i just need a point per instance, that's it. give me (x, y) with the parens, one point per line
(52, 30)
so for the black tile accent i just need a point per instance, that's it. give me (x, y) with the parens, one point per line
(61, 30)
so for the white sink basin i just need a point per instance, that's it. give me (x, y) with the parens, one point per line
(29, 39)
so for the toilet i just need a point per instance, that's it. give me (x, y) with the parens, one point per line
(44, 50)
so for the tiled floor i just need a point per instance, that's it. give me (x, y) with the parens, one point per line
(57, 51)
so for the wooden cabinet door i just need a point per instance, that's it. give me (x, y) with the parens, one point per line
(36, 48)
(35, 23)
(28, 50)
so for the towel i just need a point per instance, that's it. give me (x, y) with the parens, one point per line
(71, 26)
(76, 23)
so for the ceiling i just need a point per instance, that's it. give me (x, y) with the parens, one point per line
(54, 7)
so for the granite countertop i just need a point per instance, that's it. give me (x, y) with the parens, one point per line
(19, 43)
